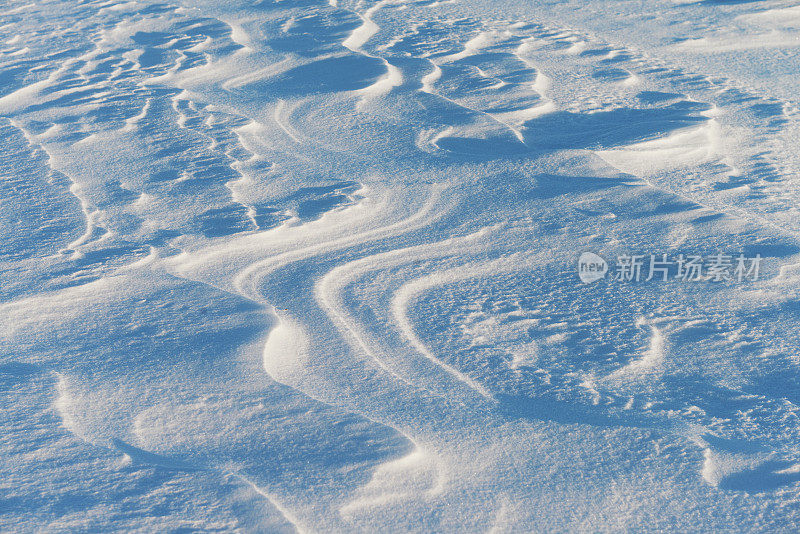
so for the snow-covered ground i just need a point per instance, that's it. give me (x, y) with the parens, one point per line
(312, 265)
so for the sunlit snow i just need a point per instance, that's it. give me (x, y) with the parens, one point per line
(399, 266)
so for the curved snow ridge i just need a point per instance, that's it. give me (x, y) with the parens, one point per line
(368, 28)
(146, 458)
(248, 280)
(651, 360)
(681, 149)
(64, 404)
(420, 474)
(355, 42)
(404, 296)
(329, 288)
(298, 525)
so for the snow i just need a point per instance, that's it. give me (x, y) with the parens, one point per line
(311, 266)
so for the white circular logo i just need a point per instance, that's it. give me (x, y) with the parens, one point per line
(591, 267)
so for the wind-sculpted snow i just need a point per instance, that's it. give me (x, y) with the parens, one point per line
(309, 266)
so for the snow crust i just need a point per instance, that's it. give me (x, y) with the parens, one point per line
(309, 266)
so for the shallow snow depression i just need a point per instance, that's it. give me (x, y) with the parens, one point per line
(312, 266)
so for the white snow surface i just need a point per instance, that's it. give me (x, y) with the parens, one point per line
(309, 266)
